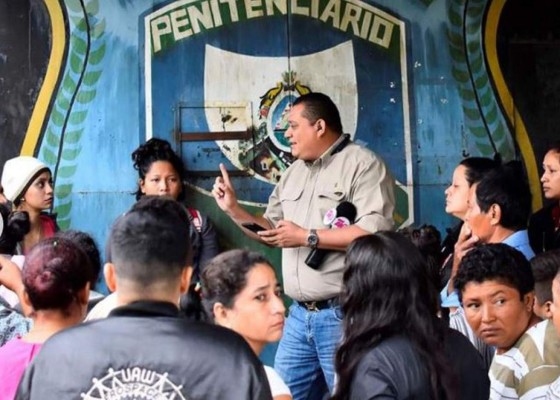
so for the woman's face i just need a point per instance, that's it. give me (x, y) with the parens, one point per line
(39, 195)
(457, 194)
(551, 176)
(258, 311)
(161, 180)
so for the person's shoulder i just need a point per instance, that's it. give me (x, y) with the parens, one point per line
(70, 341)
(355, 155)
(535, 335)
(544, 214)
(296, 165)
(461, 351)
(362, 151)
(103, 308)
(540, 339)
(395, 349)
(528, 352)
(48, 222)
(205, 334)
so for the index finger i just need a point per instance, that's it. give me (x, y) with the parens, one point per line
(225, 174)
(267, 233)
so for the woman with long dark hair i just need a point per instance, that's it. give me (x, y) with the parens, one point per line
(469, 172)
(394, 345)
(544, 225)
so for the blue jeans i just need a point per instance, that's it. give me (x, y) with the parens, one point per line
(305, 354)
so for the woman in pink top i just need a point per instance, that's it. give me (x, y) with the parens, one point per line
(55, 289)
(27, 183)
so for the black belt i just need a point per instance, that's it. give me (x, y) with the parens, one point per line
(319, 305)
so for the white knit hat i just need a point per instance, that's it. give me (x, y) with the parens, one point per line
(18, 173)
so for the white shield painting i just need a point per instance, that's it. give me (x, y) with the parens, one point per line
(243, 92)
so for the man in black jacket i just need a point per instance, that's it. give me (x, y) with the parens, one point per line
(144, 350)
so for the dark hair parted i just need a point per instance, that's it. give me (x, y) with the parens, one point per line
(88, 245)
(225, 276)
(495, 262)
(320, 106)
(54, 271)
(387, 291)
(157, 150)
(545, 267)
(554, 146)
(507, 187)
(477, 167)
(150, 243)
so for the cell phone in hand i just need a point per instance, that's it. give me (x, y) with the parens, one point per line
(253, 227)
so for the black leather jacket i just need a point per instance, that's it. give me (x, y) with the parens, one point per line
(542, 233)
(145, 351)
(395, 370)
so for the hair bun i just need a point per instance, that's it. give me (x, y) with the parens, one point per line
(153, 149)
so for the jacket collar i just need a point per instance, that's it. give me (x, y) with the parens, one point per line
(145, 308)
(336, 147)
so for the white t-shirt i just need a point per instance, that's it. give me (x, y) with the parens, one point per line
(6, 293)
(103, 308)
(277, 385)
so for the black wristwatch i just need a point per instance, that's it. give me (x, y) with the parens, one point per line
(312, 239)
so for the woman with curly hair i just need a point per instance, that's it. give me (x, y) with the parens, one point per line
(161, 172)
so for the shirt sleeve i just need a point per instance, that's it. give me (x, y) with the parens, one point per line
(12, 324)
(373, 195)
(274, 211)
(209, 243)
(536, 383)
(449, 299)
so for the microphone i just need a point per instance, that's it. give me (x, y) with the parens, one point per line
(341, 216)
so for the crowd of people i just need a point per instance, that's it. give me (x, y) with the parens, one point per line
(374, 313)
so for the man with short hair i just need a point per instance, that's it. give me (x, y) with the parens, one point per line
(496, 288)
(144, 349)
(329, 170)
(498, 211)
(499, 208)
(545, 266)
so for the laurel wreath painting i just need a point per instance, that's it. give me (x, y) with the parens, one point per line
(60, 147)
(482, 113)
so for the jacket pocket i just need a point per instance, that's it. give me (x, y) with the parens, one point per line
(290, 200)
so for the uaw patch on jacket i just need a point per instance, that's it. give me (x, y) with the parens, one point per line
(133, 383)
(220, 75)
